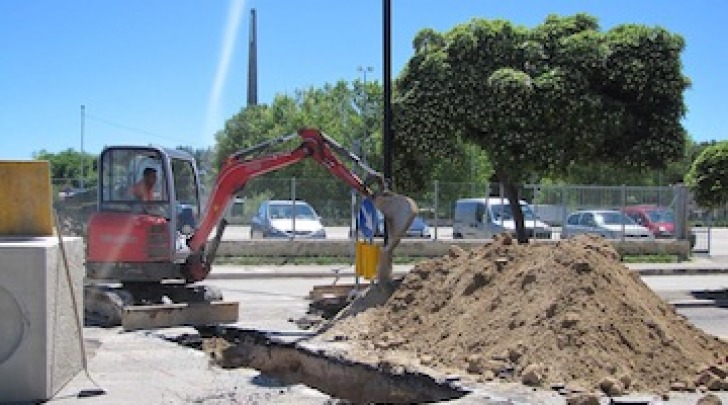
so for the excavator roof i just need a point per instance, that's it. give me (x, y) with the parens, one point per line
(172, 153)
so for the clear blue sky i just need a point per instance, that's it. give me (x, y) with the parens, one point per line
(170, 72)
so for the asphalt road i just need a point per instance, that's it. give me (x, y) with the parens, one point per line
(712, 319)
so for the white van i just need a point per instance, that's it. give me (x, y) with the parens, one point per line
(483, 218)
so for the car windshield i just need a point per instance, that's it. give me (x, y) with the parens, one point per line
(661, 216)
(503, 211)
(614, 218)
(284, 211)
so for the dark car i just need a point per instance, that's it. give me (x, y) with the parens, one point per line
(276, 219)
(418, 228)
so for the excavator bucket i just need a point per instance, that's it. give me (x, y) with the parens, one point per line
(398, 211)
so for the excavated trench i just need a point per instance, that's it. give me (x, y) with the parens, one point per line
(292, 363)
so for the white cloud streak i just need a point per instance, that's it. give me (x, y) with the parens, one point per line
(214, 118)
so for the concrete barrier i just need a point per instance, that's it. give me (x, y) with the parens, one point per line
(414, 247)
(25, 198)
(39, 329)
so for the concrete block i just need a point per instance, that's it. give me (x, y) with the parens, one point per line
(26, 198)
(39, 336)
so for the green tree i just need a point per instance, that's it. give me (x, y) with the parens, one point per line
(351, 114)
(708, 177)
(66, 167)
(334, 109)
(608, 174)
(204, 159)
(540, 100)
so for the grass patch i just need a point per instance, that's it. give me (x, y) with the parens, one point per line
(343, 260)
(303, 260)
(662, 258)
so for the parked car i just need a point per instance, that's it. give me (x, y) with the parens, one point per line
(276, 219)
(483, 218)
(659, 220)
(417, 229)
(610, 224)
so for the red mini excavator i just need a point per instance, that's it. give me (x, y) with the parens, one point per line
(145, 255)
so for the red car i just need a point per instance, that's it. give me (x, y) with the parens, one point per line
(659, 220)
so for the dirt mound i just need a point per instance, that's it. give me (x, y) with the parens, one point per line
(74, 212)
(567, 313)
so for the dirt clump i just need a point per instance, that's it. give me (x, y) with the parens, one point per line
(568, 314)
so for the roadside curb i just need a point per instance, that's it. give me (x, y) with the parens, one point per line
(681, 271)
(242, 275)
(245, 274)
(698, 303)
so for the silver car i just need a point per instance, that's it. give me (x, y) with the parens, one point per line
(610, 224)
(276, 219)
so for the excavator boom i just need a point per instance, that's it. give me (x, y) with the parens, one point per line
(242, 166)
(145, 253)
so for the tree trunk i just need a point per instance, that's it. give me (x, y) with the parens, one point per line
(511, 191)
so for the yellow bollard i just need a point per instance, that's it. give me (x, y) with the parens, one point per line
(367, 258)
(359, 258)
(25, 198)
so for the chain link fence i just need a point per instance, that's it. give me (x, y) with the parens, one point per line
(338, 205)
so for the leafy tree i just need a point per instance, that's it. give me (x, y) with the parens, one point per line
(540, 100)
(708, 177)
(608, 174)
(332, 109)
(204, 158)
(351, 114)
(66, 167)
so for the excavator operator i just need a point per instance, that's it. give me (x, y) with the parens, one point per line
(143, 189)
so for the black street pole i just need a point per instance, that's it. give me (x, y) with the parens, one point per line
(83, 125)
(385, 275)
(253, 61)
(387, 69)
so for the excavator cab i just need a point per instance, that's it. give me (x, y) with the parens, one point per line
(157, 215)
(136, 250)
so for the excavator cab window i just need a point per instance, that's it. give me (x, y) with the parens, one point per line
(124, 186)
(186, 192)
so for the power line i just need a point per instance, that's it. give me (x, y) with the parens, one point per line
(132, 129)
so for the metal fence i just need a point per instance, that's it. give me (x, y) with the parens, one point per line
(338, 205)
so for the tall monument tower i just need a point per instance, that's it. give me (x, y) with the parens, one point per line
(252, 63)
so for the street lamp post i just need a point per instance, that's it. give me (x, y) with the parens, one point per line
(358, 147)
(365, 107)
(83, 124)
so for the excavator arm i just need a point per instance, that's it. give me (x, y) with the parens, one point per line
(239, 168)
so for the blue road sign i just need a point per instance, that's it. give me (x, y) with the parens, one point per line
(367, 218)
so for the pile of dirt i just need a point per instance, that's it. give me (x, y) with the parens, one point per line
(73, 215)
(565, 314)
